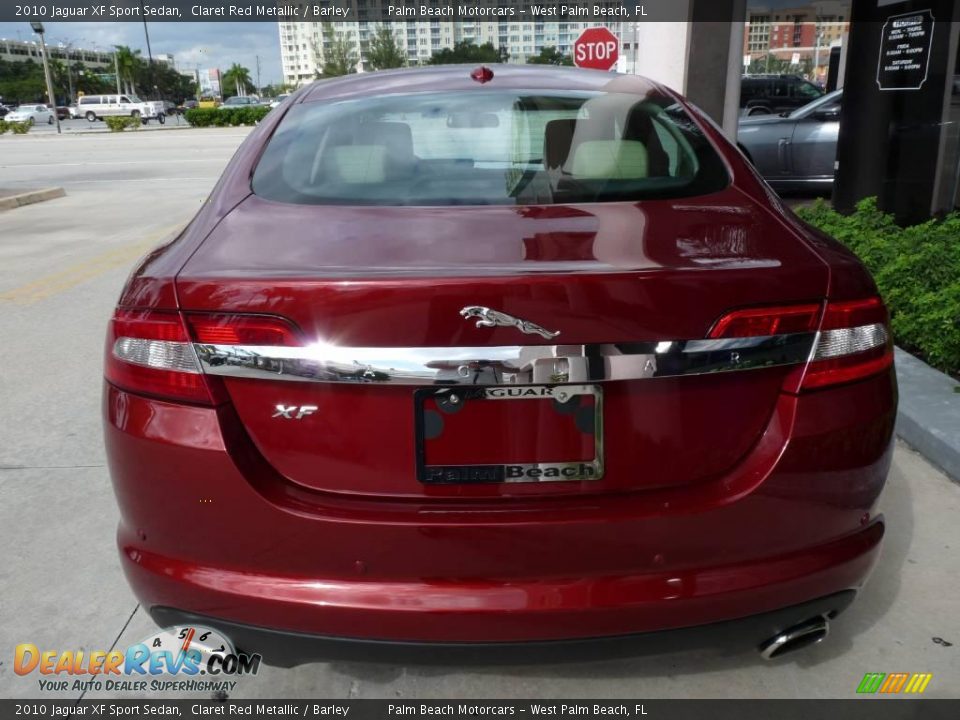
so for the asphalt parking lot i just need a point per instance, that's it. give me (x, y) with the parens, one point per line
(62, 264)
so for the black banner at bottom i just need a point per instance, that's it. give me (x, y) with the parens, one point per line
(876, 708)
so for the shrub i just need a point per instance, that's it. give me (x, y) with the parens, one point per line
(226, 117)
(917, 270)
(19, 128)
(119, 123)
(4, 126)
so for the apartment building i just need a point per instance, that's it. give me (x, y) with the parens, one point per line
(303, 44)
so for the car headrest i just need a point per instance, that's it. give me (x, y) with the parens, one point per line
(557, 138)
(609, 160)
(358, 164)
(395, 137)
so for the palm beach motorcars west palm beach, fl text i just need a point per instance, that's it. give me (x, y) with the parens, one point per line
(254, 9)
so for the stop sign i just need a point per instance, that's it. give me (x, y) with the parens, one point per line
(596, 48)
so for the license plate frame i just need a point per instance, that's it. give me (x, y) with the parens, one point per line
(500, 473)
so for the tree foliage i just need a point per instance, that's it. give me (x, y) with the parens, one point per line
(384, 51)
(339, 55)
(236, 81)
(466, 51)
(550, 56)
(24, 82)
(128, 63)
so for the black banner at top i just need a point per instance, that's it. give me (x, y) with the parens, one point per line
(377, 11)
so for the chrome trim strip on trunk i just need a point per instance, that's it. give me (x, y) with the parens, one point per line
(504, 365)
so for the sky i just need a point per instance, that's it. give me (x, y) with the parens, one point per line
(192, 44)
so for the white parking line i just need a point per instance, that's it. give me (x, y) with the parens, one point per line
(135, 180)
(112, 162)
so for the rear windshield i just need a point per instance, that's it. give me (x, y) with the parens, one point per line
(488, 148)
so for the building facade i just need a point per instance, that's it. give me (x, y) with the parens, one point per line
(23, 50)
(805, 33)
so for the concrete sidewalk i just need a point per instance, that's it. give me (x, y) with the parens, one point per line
(929, 413)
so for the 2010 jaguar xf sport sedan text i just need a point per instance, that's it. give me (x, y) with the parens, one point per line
(494, 355)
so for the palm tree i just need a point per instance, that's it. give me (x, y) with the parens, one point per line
(128, 64)
(237, 78)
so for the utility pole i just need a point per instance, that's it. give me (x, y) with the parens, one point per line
(116, 71)
(259, 91)
(146, 34)
(38, 29)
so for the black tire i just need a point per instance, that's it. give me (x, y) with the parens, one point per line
(50, 120)
(91, 116)
(31, 121)
(161, 118)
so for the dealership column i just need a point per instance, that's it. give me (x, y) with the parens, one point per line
(898, 131)
(701, 58)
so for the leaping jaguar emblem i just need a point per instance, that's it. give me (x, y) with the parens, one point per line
(494, 318)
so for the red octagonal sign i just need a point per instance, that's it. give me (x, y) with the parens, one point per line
(596, 48)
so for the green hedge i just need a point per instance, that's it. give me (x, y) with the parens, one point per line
(119, 123)
(17, 128)
(226, 117)
(917, 270)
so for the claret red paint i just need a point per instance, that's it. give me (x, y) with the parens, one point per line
(537, 358)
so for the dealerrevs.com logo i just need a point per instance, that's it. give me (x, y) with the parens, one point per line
(185, 658)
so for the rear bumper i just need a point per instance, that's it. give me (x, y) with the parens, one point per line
(470, 610)
(207, 529)
(287, 649)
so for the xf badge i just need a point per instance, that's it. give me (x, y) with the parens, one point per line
(294, 412)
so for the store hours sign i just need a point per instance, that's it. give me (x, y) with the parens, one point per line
(905, 51)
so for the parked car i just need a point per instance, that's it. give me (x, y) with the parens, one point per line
(190, 105)
(97, 107)
(240, 101)
(3, 111)
(533, 359)
(279, 99)
(63, 112)
(775, 94)
(33, 114)
(797, 150)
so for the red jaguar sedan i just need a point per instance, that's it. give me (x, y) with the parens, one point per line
(488, 356)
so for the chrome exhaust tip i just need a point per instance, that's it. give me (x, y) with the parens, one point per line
(807, 633)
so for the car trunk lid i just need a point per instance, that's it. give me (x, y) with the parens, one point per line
(385, 285)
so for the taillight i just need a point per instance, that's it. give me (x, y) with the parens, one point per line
(150, 353)
(225, 329)
(765, 321)
(854, 343)
(853, 340)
